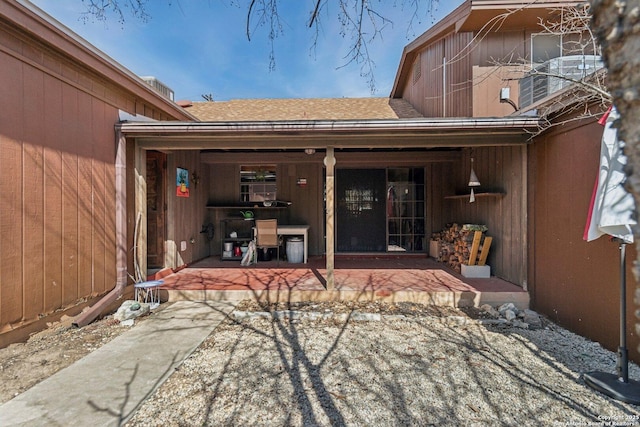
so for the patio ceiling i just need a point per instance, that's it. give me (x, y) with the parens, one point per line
(357, 134)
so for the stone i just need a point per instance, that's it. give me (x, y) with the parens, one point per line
(510, 315)
(519, 324)
(131, 310)
(532, 318)
(365, 317)
(489, 309)
(507, 306)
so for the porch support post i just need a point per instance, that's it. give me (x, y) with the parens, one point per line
(329, 162)
(140, 224)
(121, 211)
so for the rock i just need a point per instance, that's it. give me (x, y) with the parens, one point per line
(532, 318)
(365, 317)
(510, 315)
(487, 308)
(519, 324)
(131, 310)
(507, 306)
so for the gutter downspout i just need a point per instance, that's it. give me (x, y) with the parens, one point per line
(95, 310)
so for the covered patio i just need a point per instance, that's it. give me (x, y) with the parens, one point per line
(417, 279)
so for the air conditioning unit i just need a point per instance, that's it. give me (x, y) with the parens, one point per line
(158, 86)
(540, 81)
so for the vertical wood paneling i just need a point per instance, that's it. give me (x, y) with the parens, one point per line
(70, 200)
(574, 282)
(432, 82)
(110, 250)
(498, 169)
(32, 187)
(83, 146)
(11, 196)
(98, 217)
(57, 151)
(98, 213)
(459, 75)
(53, 195)
(188, 214)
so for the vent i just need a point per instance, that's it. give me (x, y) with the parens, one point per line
(540, 82)
(417, 69)
(159, 87)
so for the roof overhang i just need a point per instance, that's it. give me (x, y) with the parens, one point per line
(368, 134)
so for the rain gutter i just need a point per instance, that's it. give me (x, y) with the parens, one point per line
(432, 132)
(441, 124)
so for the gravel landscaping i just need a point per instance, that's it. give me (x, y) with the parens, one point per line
(385, 365)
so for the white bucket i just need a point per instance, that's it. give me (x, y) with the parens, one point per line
(228, 246)
(295, 250)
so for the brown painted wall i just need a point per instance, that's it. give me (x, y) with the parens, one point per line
(57, 221)
(574, 282)
(468, 84)
(59, 102)
(307, 202)
(500, 170)
(186, 216)
(443, 89)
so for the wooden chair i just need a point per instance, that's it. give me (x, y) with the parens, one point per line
(267, 236)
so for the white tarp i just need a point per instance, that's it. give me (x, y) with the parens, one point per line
(612, 207)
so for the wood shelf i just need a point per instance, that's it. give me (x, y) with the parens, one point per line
(466, 196)
(245, 207)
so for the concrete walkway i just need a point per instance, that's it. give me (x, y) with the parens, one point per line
(107, 386)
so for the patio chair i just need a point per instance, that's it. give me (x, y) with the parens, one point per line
(267, 236)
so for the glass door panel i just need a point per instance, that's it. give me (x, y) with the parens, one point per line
(360, 210)
(405, 210)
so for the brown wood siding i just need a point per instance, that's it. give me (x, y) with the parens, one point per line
(57, 223)
(186, 215)
(307, 201)
(466, 89)
(499, 169)
(427, 98)
(439, 183)
(504, 47)
(452, 78)
(458, 75)
(574, 282)
(11, 218)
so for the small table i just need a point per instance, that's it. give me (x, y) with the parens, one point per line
(151, 291)
(294, 230)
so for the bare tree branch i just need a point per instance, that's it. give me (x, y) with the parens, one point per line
(360, 21)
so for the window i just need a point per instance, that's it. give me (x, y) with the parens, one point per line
(257, 183)
(545, 47)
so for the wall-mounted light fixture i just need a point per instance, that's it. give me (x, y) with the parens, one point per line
(310, 151)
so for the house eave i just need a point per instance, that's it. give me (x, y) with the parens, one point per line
(406, 133)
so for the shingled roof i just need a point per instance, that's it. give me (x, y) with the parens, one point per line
(246, 110)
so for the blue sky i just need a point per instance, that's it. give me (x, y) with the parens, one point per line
(200, 47)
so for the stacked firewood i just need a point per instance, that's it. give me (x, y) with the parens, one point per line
(459, 244)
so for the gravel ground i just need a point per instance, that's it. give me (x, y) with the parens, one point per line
(403, 365)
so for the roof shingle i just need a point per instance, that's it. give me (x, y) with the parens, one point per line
(243, 110)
